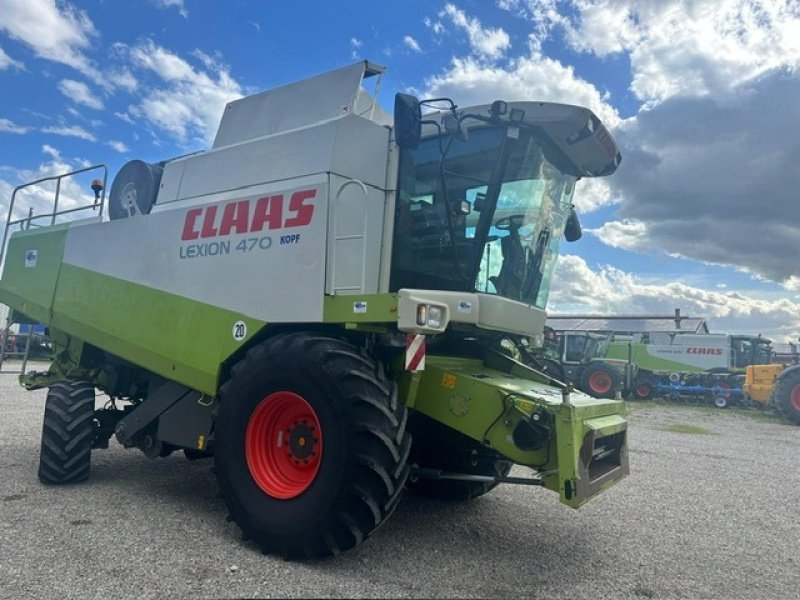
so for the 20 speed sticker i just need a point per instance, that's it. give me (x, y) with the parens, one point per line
(239, 330)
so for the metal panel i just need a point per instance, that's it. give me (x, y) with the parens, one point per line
(351, 146)
(250, 272)
(313, 100)
(355, 228)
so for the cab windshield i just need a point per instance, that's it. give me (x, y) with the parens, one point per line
(483, 215)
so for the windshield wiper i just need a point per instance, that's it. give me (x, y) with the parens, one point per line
(532, 284)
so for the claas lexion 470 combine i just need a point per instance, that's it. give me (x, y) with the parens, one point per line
(332, 303)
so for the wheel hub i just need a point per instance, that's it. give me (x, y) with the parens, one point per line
(283, 445)
(301, 442)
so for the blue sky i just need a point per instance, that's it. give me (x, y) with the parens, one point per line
(702, 96)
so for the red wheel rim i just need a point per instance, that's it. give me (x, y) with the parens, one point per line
(643, 390)
(283, 445)
(600, 382)
(794, 397)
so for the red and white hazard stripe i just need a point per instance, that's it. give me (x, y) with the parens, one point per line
(415, 352)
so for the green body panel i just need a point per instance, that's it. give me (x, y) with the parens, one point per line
(372, 308)
(486, 405)
(642, 359)
(30, 289)
(179, 338)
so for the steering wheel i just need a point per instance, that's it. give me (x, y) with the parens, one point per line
(510, 222)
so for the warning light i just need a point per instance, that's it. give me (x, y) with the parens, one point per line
(97, 187)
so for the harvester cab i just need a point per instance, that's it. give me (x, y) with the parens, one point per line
(750, 350)
(331, 302)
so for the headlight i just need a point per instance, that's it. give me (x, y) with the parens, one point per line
(435, 314)
(430, 316)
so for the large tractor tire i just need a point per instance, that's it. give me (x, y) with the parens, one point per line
(786, 395)
(440, 448)
(311, 446)
(643, 388)
(67, 433)
(600, 380)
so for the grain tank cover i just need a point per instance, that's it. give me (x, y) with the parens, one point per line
(328, 96)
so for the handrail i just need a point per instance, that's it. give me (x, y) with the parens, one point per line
(98, 203)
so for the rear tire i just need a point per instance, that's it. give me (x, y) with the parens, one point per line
(786, 396)
(348, 425)
(643, 388)
(600, 380)
(67, 433)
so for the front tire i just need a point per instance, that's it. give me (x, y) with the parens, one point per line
(786, 396)
(600, 380)
(311, 445)
(67, 433)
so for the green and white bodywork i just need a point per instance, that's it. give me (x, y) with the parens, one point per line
(308, 215)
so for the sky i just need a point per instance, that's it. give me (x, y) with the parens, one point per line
(701, 95)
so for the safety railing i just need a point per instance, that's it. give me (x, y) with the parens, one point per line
(28, 221)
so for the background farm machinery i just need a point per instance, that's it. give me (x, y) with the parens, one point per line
(717, 369)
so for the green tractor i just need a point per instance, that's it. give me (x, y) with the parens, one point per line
(579, 358)
(310, 305)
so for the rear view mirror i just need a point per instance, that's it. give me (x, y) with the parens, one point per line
(407, 121)
(572, 229)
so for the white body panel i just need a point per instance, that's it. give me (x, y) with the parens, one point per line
(483, 310)
(351, 146)
(701, 351)
(266, 273)
(314, 100)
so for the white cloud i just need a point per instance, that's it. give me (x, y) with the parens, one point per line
(436, 26)
(123, 79)
(592, 193)
(58, 32)
(185, 101)
(118, 146)
(70, 131)
(7, 126)
(579, 289)
(471, 82)
(179, 4)
(625, 234)
(124, 117)
(52, 152)
(707, 47)
(7, 62)
(355, 45)
(411, 43)
(716, 179)
(79, 92)
(488, 42)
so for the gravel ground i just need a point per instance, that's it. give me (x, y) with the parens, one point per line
(703, 515)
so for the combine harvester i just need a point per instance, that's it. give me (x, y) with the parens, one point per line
(692, 368)
(307, 302)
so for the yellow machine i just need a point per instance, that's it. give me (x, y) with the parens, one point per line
(759, 382)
